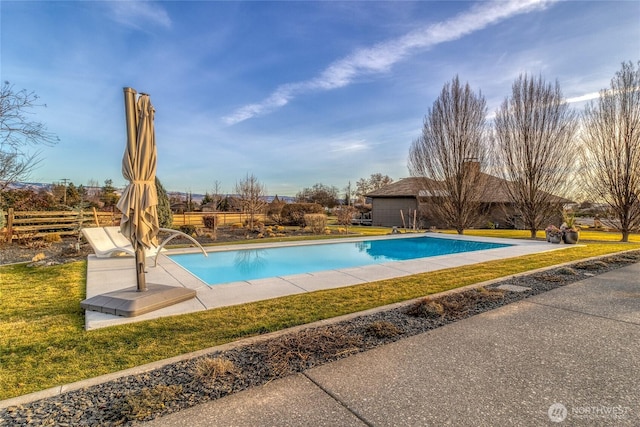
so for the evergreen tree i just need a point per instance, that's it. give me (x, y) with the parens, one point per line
(108, 195)
(165, 216)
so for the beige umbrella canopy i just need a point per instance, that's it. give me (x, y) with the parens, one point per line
(139, 199)
(139, 217)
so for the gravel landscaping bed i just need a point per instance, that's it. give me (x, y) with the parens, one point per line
(176, 386)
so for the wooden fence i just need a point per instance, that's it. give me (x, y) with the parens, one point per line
(223, 218)
(34, 224)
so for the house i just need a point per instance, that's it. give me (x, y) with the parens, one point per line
(399, 203)
(390, 203)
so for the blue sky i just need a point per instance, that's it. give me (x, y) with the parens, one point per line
(295, 92)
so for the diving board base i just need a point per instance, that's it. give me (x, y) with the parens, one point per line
(130, 303)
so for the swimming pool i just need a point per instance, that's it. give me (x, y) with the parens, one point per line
(251, 264)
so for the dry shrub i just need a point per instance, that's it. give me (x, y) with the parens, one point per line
(567, 271)
(591, 265)
(382, 329)
(296, 352)
(426, 307)
(293, 213)
(624, 258)
(317, 222)
(548, 278)
(491, 294)
(188, 229)
(30, 241)
(38, 257)
(52, 238)
(145, 402)
(210, 369)
(459, 304)
(456, 304)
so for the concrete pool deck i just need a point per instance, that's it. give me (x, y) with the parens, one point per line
(111, 274)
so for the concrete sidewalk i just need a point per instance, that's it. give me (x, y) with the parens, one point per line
(570, 356)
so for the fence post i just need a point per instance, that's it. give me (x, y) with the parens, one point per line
(95, 217)
(10, 225)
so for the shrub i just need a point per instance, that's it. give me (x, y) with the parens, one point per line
(344, 215)
(210, 369)
(293, 213)
(274, 210)
(317, 222)
(567, 271)
(188, 229)
(38, 257)
(210, 221)
(426, 307)
(591, 265)
(490, 294)
(383, 329)
(52, 238)
(144, 403)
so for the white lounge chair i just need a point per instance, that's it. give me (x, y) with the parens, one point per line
(109, 242)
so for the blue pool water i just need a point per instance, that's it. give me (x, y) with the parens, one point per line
(250, 264)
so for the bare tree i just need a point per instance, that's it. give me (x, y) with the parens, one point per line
(252, 195)
(535, 141)
(611, 137)
(349, 194)
(17, 133)
(344, 215)
(374, 182)
(217, 193)
(451, 153)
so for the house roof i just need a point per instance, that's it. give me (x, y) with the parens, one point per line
(407, 187)
(496, 191)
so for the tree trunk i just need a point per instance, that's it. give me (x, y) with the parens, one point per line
(625, 236)
(534, 232)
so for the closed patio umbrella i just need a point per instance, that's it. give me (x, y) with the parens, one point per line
(139, 199)
(139, 217)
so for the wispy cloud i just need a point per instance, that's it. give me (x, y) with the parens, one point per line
(382, 56)
(348, 146)
(137, 14)
(582, 98)
(596, 95)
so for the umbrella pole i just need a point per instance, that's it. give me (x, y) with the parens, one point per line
(140, 278)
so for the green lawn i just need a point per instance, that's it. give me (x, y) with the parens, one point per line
(43, 343)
